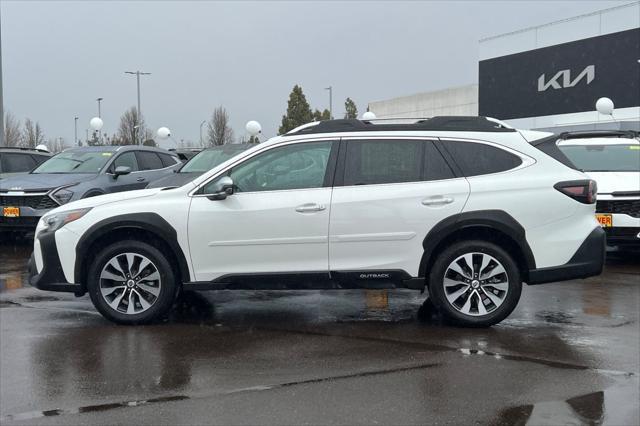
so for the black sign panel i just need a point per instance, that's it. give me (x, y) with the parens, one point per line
(564, 78)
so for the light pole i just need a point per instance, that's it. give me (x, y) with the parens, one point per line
(201, 140)
(99, 100)
(75, 130)
(330, 89)
(138, 74)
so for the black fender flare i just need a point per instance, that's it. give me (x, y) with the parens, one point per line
(489, 219)
(149, 222)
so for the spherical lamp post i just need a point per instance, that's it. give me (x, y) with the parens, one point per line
(254, 129)
(605, 106)
(96, 124)
(368, 116)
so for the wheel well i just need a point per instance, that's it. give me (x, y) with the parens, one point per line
(475, 232)
(128, 233)
(92, 193)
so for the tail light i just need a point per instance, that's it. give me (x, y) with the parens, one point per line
(584, 191)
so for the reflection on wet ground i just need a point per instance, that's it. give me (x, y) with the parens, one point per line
(569, 354)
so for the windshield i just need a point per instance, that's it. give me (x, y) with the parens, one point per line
(604, 158)
(75, 162)
(208, 159)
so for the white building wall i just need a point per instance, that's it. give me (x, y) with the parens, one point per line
(454, 101)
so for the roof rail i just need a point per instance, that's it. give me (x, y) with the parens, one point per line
(585, 134)
(24, 148)
(442, 123)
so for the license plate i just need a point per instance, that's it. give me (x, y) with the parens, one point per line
(11, 211)
(606, 220)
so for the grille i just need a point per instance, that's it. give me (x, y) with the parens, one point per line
(630, 207)
(33, 201)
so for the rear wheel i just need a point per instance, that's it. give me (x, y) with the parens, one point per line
(475, 283)
(131, 282)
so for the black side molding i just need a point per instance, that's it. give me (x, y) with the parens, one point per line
(588, 261)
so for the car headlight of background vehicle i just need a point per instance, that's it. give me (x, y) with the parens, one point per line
(55, 221)
(62, 195)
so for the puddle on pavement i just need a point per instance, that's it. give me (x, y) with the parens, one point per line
(617, 405)
(14, 255)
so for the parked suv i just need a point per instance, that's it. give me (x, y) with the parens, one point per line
(612, 159)
(200, 163)
(79, 173)
(461, 206)
(15, 160)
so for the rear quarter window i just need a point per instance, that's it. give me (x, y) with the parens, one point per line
(475, 159)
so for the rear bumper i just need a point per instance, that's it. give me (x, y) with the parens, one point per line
(51, 277)
(587, 261)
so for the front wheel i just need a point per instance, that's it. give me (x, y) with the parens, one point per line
(131, 282)
(475, 283)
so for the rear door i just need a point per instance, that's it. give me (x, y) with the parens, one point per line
(152, 167)
(389, 193)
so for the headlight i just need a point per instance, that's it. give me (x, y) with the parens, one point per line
(55, 221)
(62, 195)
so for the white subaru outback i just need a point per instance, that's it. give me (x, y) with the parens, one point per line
(463, 207)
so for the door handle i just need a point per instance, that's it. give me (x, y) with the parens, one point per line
(310, 207)
(140, 179)
(437, 201)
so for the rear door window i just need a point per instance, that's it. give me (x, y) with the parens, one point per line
(475, 158)
(435, 166)
(148, 160)
(370, 162)
(17, 163)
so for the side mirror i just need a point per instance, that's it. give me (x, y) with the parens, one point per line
(221, 189)
(121, 170)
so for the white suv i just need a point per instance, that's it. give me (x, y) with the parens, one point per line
(612, 159)
(462, 206)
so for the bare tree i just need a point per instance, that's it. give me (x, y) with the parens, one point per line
(130, 129)
(219, 132)
(12, 134)
(57, 145)
(32, 134)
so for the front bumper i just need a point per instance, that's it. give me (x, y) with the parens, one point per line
(28, 219)
(587, 261)
(623, 236)
(51, 277)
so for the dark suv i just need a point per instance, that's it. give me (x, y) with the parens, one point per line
(79, 173)
(15, 160)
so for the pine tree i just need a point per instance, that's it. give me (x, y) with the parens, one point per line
(350, 108)
(321, 116)
(298, 111)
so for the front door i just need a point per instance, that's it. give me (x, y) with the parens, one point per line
(124, 182)
(277, 221)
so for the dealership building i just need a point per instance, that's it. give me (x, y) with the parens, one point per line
(547, 77)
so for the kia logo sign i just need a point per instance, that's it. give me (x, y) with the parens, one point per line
(564, 78)
(589, 73)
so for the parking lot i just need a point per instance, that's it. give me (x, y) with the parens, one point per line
(568, 354)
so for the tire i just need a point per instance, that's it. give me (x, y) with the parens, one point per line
(478, 298)
(148, 287)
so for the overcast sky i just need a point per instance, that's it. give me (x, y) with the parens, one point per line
(58, 57)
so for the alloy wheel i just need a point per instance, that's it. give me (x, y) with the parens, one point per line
(130, 283)
(476, 284)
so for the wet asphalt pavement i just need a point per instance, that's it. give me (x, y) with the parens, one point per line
(569, 354)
